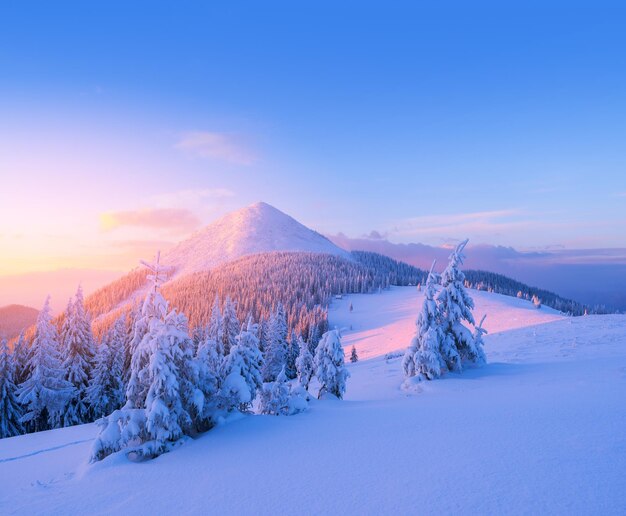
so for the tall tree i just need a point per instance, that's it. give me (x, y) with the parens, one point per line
(10, 410)
(77, 349)
(329, 364)
(230, 324)
(304, 364)
(216, 326)
(276, 352)
(423, 357)
(20, 359)
(106, 386)
(45, 391)
(455, 305)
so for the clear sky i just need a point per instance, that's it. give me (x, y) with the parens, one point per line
(126, 125)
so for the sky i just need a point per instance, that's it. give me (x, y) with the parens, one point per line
(124, 126)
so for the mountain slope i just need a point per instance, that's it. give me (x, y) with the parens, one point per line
(15, 318)
(255, 229)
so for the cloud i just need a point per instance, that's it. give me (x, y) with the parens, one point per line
(219, 146)
(375, 235)
(162, 218)
(456, 225)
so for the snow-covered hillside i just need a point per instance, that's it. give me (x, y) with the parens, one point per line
(539, 430)
(255, 229)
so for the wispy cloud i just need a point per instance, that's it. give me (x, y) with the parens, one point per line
(162, 218)
(192, 197)
(452, 225)
(214, 145)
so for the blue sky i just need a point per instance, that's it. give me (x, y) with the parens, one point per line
(426, 124)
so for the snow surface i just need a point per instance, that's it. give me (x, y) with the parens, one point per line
(255, 229)
(538, 430)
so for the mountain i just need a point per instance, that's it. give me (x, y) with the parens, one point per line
(589, 276)
(15, 318)
(258, 228)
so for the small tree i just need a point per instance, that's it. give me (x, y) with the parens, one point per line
(536, 302)
(351, 308)
(280, 398)
(353, 356)
(10, 410)
(329, 364)
(304, 364)
(242, 369)
(479, 352)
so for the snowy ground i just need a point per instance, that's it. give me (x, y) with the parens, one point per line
(538, 430)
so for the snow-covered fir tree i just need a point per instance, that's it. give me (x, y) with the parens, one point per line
(423, 358)
(329, 365)
(106, 386)
(216, 327)
(230, 323)
(242, 369)
(304, 364)
(208, 364)
(280, 398)
(162, 390)
(292, 354)
(276, 351)
(45, 392)
(274, 398)
(479, 331)
(20, 359)
(10, 410)
(77, 351)
(455, 305)
(353, 355)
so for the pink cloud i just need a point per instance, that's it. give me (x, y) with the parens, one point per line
(161, 218)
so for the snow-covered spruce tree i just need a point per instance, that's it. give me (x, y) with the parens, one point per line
(208, 365)
(10, 410)
(276, 351)
(422, 358)
(292, 354)
(353, 355)
(455, 305)
(45, 392)
(231, 326)
(161, 391)
(77, 352)
(242, 370)
(106, 386)
(20, 359)
(479, 331)
(216, 326)
(280, 398)
(329, 365)
(304, 364)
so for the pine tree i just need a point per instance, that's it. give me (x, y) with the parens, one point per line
(231, 326)
(274, 399)
(329, 365)
(353, 355)
(20, 359)
(478, 353)
(455, 305)
(77, 350)
(10, 410)
(292, 354)
(276, 352)
(423, 357)
(106, 386)
(45, 392)
(242, 369)
(216, 327)
(304, 364)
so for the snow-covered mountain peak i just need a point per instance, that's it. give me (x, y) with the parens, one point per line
(254, 229)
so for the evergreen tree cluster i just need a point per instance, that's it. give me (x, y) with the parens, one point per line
(149, 381)
(442, 341)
